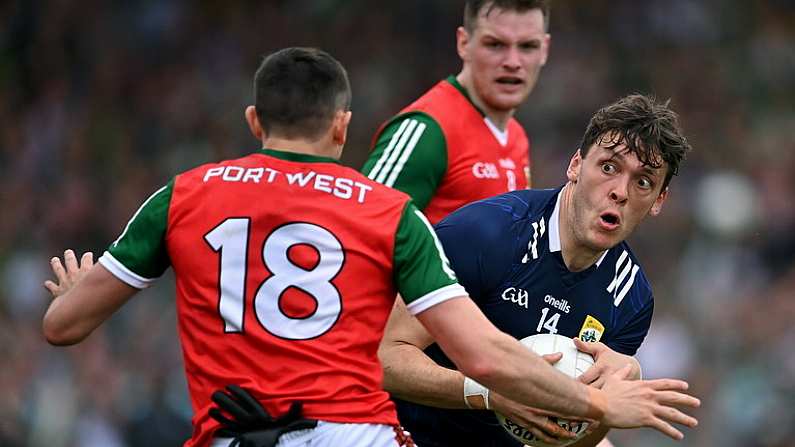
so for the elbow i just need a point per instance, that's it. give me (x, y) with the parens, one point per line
(59, 334)
(481, 369)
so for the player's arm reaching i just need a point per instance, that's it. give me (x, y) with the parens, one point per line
(410, 155)
(500, 362)
(427, 383)
(76, 311)
(86, 294)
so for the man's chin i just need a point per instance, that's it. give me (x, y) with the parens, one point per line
(506, 104)
(602, 241)
(506, 101)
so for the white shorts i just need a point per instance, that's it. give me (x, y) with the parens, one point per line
(333, 434)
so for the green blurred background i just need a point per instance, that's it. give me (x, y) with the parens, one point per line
(102, 101)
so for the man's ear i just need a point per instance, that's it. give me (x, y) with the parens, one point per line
(461, 41)
(253, 123)
(545, 48)
(340, 127)
(575, 164)
(656, 207)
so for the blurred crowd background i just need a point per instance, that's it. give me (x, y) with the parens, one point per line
(102, 101)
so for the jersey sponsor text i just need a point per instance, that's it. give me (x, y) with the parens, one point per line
(514, 295)
(343, 188)
(558, 304)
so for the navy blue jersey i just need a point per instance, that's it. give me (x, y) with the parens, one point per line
(505, 251)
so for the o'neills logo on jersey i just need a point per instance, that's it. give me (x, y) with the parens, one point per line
(558, 304)
(485, 170)
(517, 296)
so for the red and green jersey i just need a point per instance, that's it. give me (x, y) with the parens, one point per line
(444, 152)
(286, 269)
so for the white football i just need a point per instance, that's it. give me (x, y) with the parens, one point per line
(572, 364)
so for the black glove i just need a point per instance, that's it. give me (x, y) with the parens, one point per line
(250, 425)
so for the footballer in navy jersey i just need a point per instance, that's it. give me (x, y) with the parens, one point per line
(546, 261)
(515, 272)
(506, 251)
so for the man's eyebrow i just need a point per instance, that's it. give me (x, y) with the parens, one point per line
(646, 168)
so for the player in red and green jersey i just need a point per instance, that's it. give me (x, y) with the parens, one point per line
(287, 265)
(459, 141)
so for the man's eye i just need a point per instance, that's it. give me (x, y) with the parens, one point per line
(645, 183)
(494, 45)
(608, 168)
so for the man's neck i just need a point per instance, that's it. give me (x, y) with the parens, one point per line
(499, 118)
(301, 147)
(576, 257)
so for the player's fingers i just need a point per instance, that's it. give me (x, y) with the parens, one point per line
(57, 268)
(668, 384)
(598, 383)
(51, 287)
(582, 346)
(668, 429)
(592, 427)
(86, 261)
(546, 430)
(553, 358)
(70, 261)
(678, 399)
(672, 414)
(589, 375)
(550, 428)
(545, 438)
(623, 373)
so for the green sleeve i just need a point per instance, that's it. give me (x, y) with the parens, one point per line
(410, 155)
(423, 274)
(139, 255)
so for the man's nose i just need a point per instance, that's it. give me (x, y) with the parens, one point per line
(619, 192)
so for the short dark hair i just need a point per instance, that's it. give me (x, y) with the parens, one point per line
(648, 128)
(472, 9)
(298, 91)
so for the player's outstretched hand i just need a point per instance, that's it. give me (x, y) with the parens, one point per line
(606, 362)
(530, 418)
(648, 403)
(69, 275)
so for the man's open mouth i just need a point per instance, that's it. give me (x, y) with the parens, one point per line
(610, 219)
(510, 80)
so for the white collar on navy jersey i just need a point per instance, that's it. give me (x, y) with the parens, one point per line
(554, 230)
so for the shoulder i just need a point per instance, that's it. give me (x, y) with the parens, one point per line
(390, 195)
(441, 91)
(408, 125)
(526, 203)
(446, 104)
(505, 213)
(626, 276)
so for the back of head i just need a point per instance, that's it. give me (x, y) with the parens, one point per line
(473, 8)
(298, 91)
(648, 128)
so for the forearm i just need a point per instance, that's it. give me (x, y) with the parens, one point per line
(522, 376)
(73, 315)
(63, 326)
(501, 363)
(411, 375)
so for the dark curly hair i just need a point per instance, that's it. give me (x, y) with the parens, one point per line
(648, 128)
